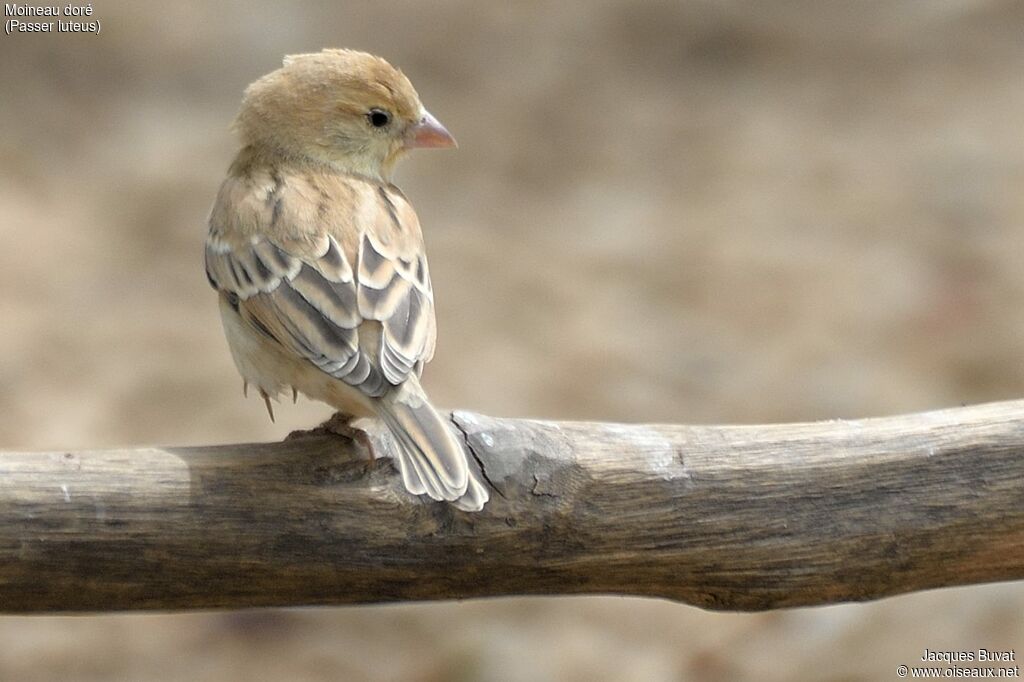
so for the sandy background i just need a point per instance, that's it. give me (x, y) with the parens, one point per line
(660, 211)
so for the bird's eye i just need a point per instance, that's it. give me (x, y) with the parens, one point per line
(378, 118)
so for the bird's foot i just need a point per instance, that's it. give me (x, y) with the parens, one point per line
(342, 425)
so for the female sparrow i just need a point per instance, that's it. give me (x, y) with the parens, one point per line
(319, 261)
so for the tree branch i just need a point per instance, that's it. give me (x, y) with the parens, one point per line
(722, 517)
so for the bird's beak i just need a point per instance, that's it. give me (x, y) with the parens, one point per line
(429, 133)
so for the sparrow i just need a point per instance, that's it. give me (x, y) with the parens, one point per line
(318, 259)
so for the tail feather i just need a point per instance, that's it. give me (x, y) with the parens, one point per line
(476, 495)
(431, 460)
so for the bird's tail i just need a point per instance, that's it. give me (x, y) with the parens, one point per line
(430, 458)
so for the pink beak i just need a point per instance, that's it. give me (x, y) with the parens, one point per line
(429, 133)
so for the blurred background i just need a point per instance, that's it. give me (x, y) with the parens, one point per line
(734, 211)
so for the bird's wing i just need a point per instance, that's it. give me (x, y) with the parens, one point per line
(281, 248)
(393, 283)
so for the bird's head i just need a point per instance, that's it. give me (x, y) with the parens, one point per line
(347, 108)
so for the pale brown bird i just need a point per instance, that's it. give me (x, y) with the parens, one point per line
(319, 261)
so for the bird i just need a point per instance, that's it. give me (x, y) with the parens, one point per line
(318, 258)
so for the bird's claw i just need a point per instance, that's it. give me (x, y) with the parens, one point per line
(343, 427)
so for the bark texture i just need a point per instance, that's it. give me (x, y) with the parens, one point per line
(721, 517)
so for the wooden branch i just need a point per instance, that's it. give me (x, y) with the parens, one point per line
(723, 517)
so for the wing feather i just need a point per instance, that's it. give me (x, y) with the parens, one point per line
(301, 289)
(390, 293)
